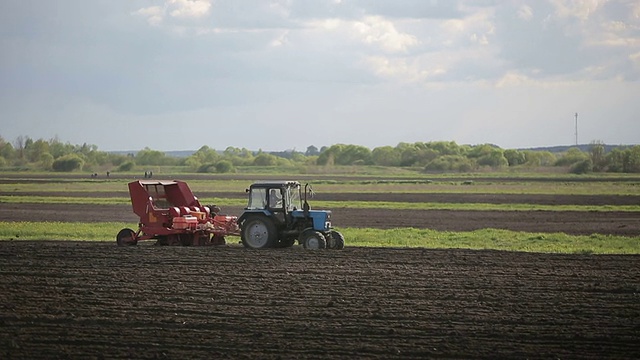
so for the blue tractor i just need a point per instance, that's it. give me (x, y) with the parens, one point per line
(278, 214)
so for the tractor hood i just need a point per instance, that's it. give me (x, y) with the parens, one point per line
(321, 218)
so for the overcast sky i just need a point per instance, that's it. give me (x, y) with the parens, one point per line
(286, 74)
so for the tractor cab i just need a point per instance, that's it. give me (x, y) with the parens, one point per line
(278, 214)
(281, 196)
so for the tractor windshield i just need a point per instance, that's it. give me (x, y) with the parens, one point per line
(293, 194)
(258, 199)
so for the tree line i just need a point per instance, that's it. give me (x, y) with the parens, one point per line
(25, 153)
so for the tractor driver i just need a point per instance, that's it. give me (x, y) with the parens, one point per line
(275, 199)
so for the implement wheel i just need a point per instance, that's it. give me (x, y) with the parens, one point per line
(126, 237)
(313, 240)
(258, 232)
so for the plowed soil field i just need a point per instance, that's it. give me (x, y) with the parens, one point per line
(94, 300)
(88, 300)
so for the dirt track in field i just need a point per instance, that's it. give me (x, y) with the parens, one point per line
(63, 300)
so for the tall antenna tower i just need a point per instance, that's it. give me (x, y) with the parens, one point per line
(576, 129)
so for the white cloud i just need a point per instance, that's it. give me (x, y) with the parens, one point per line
(581, 9)
(375, 30)
(525, 12)
(405, 70)
(513, 78)
(281, 40)
(154, 14)
(175, 8)
(475, 28)
(189, 8)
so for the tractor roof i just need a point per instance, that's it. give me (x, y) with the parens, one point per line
(275, 183)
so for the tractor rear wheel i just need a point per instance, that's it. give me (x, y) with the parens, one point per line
(313, 240)
(337, 240)
(126, 237)
(258, 232)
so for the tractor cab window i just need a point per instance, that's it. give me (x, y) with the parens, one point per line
(293, 195)
(258, 199)
(275, 199)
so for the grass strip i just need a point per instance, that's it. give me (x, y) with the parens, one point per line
(338, 204)
(326, 187)
(401, 238)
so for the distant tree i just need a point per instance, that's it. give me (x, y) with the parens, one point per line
(457, 163)
(572, 156)
(615, 160)
(264, 159)
(46, 161)
(515, 157)
(36, 149)
(597, 155)
(547, 158)
(18, 145)
(488, 155)
(203, 157)
(494, 159)
(312, 151)
(445, 147)
(6, 149)
(632, 159)
(385, 156)
(409, 154)
(68, 163)
(147, 156)
(58, 149)
(341, 154)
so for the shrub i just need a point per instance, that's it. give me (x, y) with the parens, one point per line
(572, 156)
(264, 159)
(207, 168)
(582, 167)
(450, 163)
(67, 163)
(127, 166)
(224, 166)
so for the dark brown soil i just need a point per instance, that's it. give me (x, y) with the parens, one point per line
(536, 199)
(570, 222)
(75, 300)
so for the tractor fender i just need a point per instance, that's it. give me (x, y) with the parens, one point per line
(246, 214)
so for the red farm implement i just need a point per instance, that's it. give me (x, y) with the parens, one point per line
(170, 214)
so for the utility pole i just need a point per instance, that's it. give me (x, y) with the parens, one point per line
(576, 129)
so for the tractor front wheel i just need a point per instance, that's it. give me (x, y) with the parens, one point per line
(313, 240)
(258, 232)
(337, 240)
(126, 237)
